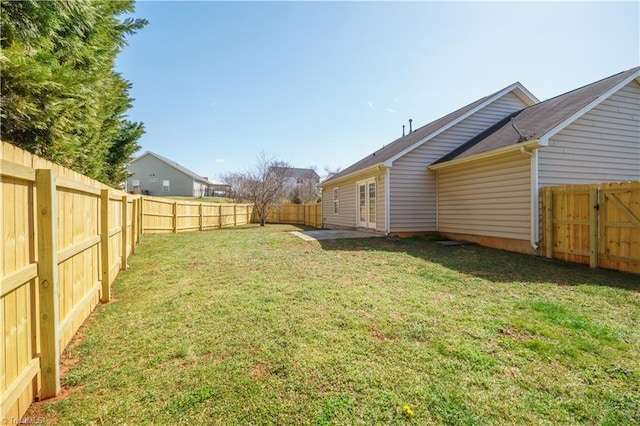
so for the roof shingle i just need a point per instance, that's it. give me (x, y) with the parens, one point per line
(534, 121)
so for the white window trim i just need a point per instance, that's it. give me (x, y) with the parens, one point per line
(336, 201)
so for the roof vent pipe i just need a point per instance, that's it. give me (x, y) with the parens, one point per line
(403, 130)
(410, 121)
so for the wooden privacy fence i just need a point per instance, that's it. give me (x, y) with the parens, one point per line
(597, 225)
(65, 237)
(299, 214)
(161, 215)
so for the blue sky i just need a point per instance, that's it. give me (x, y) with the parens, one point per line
(326, 83)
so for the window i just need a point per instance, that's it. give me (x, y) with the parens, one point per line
(372, 202)
(336, 201)
(165, 186)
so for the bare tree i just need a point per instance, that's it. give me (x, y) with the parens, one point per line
(263, 185)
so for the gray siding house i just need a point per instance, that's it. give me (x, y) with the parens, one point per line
(153, 174)
(475, 174)
(391, 190)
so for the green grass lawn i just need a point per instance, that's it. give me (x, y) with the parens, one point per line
(255, 326)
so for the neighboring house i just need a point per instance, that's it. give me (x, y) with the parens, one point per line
(302, 184)
(299, 176)
(488, 188)
(153, 174)
(475, 173)
(391, 190)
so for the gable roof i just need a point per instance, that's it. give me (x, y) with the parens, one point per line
(407, 143)
(175, 165)
(300, 173)
(543, 120)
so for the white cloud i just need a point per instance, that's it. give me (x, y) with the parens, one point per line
(391, 111)
(219, 160)
(370, 104)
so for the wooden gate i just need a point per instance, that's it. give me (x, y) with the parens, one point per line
(597, 225)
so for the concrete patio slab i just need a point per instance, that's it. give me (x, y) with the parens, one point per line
(327, 234)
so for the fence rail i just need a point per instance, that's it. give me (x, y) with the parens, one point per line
(298, 214)
(65, 239)
(597, 225)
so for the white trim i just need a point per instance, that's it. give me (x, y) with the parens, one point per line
(349, 176)
(367, 223)
(544, 140)
(531, 144)
(526, 96)
(437, 201)
(387, 201)
(533, 192)
(514, 86)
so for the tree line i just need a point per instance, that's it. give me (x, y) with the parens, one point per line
(61, 97)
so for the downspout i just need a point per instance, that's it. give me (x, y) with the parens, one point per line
(534, 226)
(437, 200)
(387, 201)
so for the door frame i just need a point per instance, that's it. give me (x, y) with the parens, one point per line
(367, 222)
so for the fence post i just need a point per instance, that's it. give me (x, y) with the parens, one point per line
(134, 225)
(48, 278)
(141, 214)
(123, 262)
(200, 217)
(220, 216)
(593, 228)
(175, 217)
(235, 215)
(104, 245)
(549, 223)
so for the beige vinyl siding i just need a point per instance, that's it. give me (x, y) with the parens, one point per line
(601, 146)
(380, 204)
(346, 217)
(487, 198)
(348, 196)
(413, 188)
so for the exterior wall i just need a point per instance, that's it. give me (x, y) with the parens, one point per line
(347, 215)
(200, 189)
(413, 187)
(142, 169)
(488, 198)
(601, 146)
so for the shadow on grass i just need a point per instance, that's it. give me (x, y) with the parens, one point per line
(490, 264)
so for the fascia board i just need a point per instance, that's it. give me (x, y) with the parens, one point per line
(544, 139)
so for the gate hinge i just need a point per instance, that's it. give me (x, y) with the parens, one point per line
(597, 207)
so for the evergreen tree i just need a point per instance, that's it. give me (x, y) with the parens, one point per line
(61, 98)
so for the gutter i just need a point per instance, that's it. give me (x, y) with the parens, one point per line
(351, 175)
(530, 144)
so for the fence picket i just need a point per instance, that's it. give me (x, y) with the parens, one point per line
(597, 225)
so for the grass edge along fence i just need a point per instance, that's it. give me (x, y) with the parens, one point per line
(65, 238)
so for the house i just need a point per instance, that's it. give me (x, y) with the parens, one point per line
(391, 190)
(302, 175)
(153, 174)
(475, 173)
(302, 184)
(488, 187)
